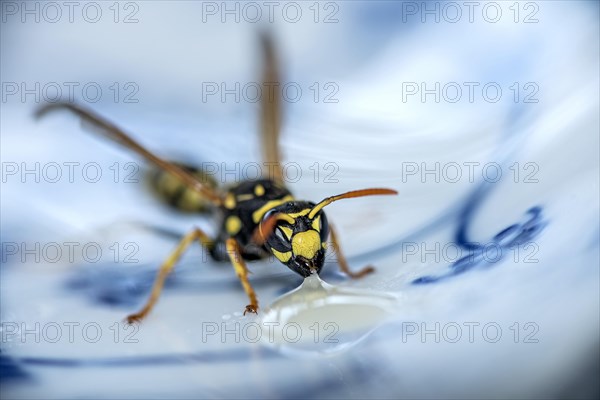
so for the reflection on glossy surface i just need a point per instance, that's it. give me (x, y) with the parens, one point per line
(319, 317)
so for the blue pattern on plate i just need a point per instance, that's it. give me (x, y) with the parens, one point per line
(11, 370)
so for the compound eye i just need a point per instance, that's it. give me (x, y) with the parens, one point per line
(324, 228)
(280, 235)
(268, 214)
(279, 240)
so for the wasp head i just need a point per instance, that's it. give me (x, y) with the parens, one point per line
(298, 238)
(296, 232)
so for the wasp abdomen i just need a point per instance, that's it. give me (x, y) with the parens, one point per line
(171, 191)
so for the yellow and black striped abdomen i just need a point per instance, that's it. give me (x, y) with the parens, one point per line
(171, 191)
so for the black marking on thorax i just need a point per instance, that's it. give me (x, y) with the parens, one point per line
(244, 207)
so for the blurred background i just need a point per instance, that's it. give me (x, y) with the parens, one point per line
(483, 115)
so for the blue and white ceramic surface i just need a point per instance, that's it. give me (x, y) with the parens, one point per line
(484, 116)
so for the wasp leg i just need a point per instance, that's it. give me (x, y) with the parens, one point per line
(233, 249)
(342, 260)
(270, 109)
(167, 267)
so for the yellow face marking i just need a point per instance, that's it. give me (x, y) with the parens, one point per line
(259, 190)
(316, 224)
(229, 201)
(324, 245)
(306, 244)
(287, 231)
(258, 214)
(245, 197)
(300, 213)
(233, 225)
(283, 257)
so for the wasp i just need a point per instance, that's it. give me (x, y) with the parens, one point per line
(259, 218)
